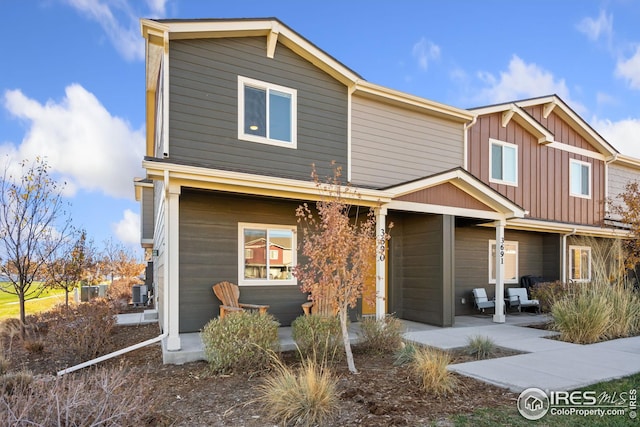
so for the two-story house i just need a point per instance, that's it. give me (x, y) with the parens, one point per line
(239, 110)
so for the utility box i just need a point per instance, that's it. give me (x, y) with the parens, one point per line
(87, 293)
(139, 295)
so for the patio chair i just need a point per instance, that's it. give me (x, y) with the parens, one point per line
(229, 293)
(517, 297)
(481, 301)
(321, 303)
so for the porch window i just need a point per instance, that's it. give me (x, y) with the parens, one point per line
(580, 263)
(267, 113)
(580, 176)
(510, 262)
(503, 162)
(266, 254)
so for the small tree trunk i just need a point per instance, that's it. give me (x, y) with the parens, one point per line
(346, 340)
(23, 316)
(66, 298)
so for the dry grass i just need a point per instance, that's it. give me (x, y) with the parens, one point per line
(480, 347)
(302, 396)
(430, 365)
(381, 336)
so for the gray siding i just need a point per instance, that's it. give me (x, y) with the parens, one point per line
(403, 143)
(421, 268)
(619, 177)
(204, 108)
(159, 240)
(209, 254)
(539, 255)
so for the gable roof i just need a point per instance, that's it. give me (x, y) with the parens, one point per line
(498, 205)
(550, 103)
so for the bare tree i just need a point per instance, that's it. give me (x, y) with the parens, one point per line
(627, 207)
(33, 223)
(70, 263)
(339, 251)
(120, 262)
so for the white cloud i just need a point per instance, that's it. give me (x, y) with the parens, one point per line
(82, 142)
(424, 51)
(603, 99)
(629, 69)
(624, 135)
(521, 81)
(127, 230)
(120, 22)
(602, 26)
(158, 7)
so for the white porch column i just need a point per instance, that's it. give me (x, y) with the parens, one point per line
(173, 258)
(381, 273)
(499, 316)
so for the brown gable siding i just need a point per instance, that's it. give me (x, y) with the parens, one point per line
(543, 172)
(446, 194)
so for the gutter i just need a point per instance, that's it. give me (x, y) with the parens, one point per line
(465, 137)
(113, 354)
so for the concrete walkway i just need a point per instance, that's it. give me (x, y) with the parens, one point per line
(547, 364)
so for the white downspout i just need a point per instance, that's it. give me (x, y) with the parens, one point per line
(114, 354)
(564, 254)
(465, 139)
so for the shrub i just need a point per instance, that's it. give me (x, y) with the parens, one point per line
(593, 312)
(405, 354)
(430, 365)
(240, 341)
(480, 347)
(548, 293)
(381, 336)
(582, 316)
(119, 292)
(4, 364)
(318, 337)
(33, 345)
(102, 397)
(305, 396)
(15, 382)
(83, 331)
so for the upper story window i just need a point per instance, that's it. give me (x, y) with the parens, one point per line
(580, 177)
(580, 263)
(266, 254)
(510, 259)
(503, 162)
(267, 113)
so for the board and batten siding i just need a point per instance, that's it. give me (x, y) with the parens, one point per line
(543, 172)
(203, 108)
(391, 145)
(209, 254)
(147, 213)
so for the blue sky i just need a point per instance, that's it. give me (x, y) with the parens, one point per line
(72, 73)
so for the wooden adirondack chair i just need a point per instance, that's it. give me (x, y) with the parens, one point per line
(229, 293)
(321, 303)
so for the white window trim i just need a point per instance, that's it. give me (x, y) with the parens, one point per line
(502, 144)
(262, 282)
(581, 248)
(506, 281)
(245, 81)
(581, 163)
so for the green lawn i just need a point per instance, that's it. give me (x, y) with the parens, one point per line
(9, 306)
(509, 415)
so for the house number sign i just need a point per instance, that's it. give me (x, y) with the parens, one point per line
(502, 250)
(381, 248)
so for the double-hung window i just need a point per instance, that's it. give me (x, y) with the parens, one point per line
(580, 263)
(267, 113)
(266, 254)
(510, 259)
(503, 162)
(580, 176)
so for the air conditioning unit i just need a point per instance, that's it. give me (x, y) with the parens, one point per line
(139, 295)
